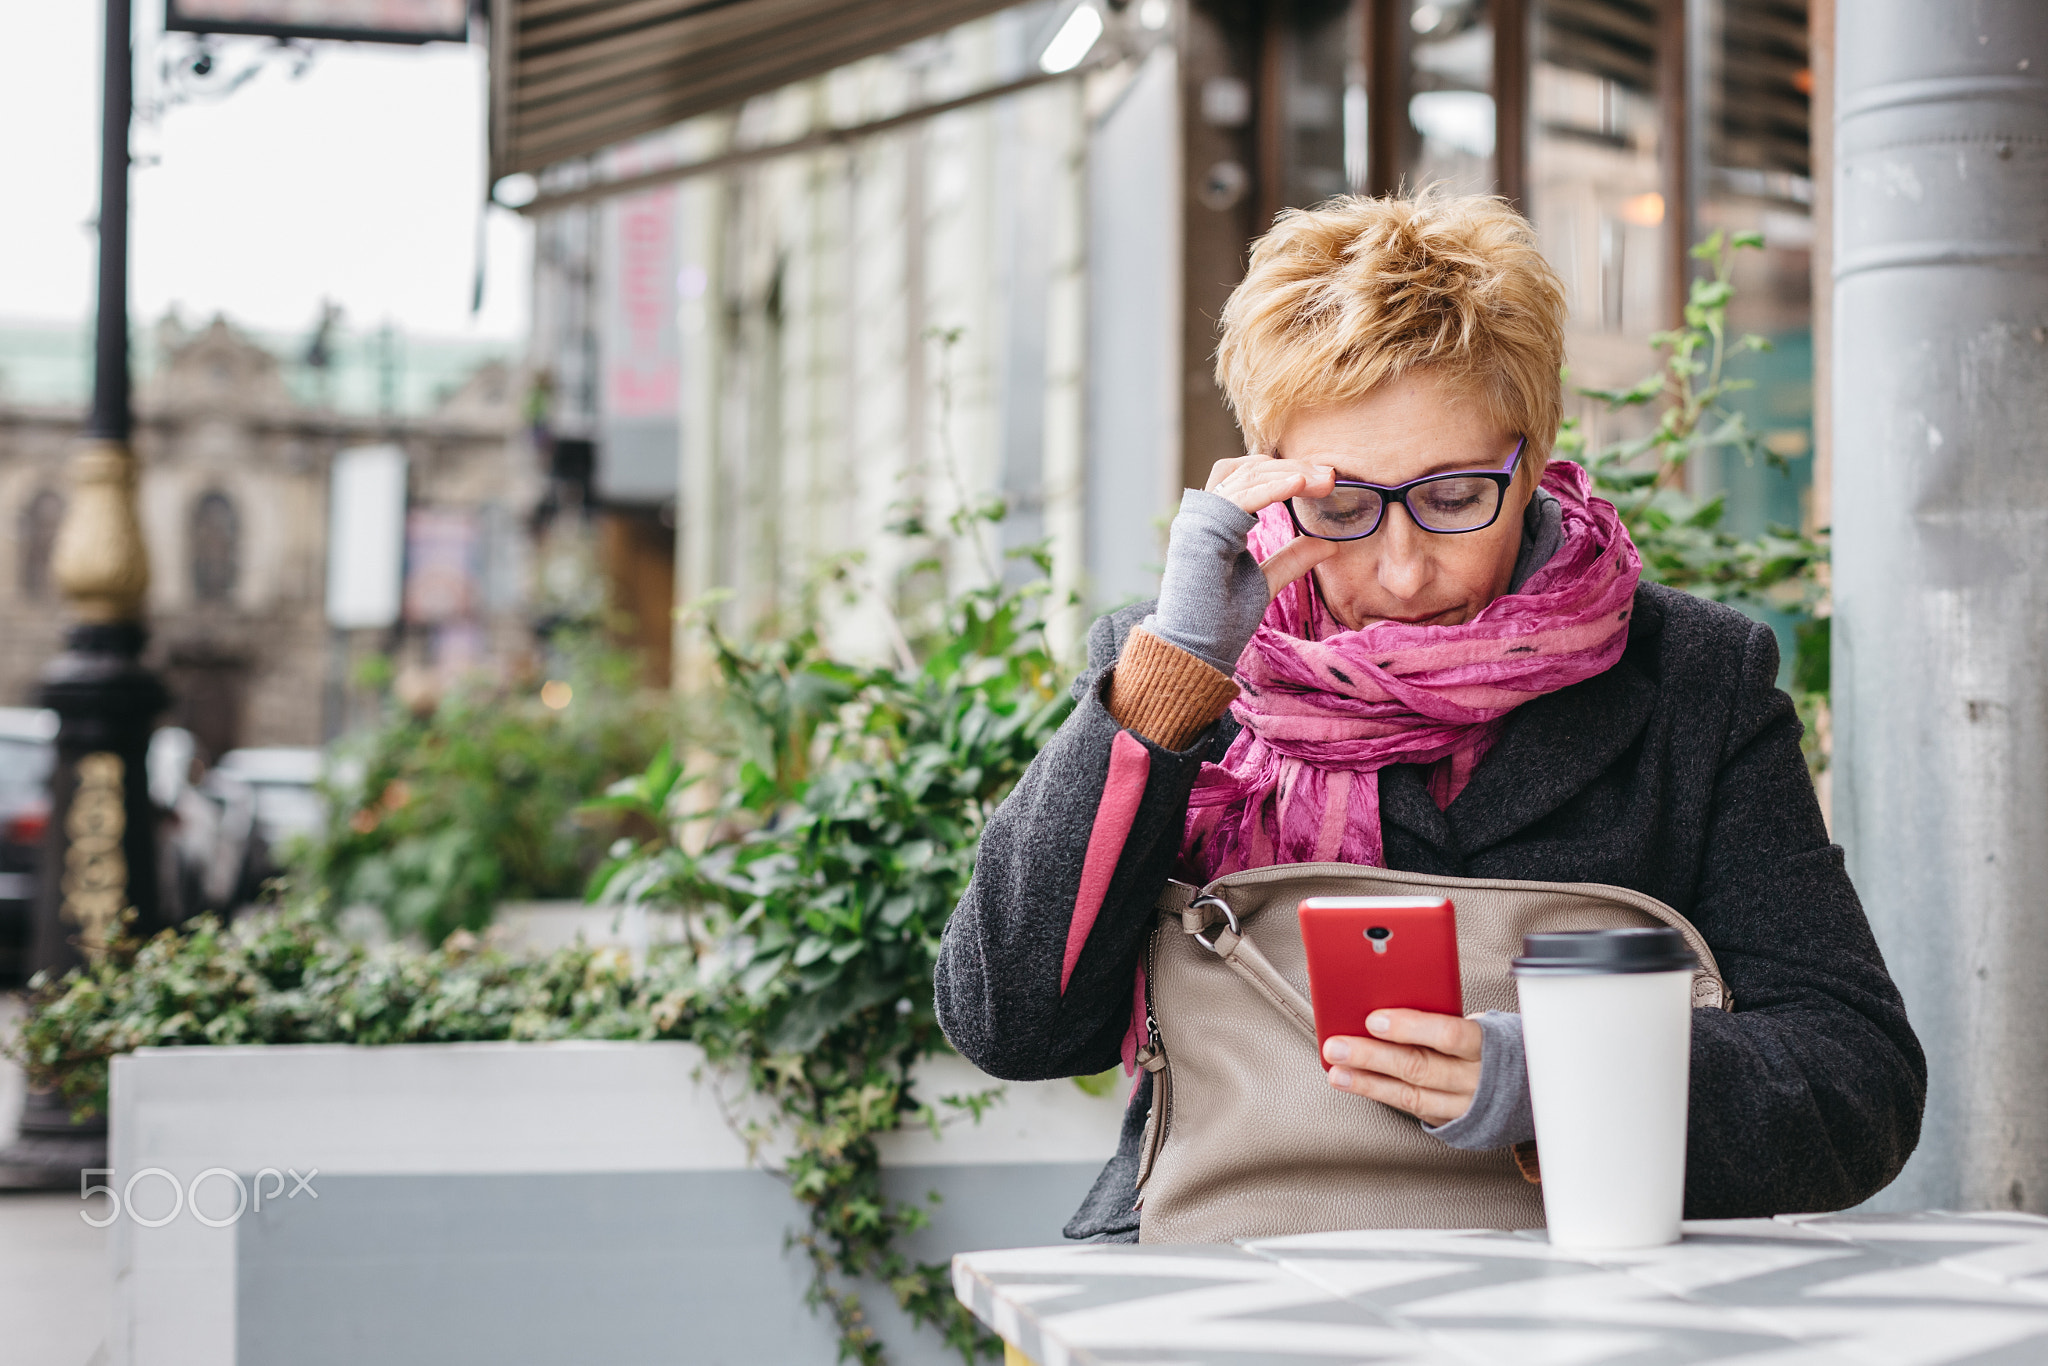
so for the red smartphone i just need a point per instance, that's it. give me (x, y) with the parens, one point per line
(1366, 952)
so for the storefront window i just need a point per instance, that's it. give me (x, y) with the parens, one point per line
(1752, 66)
(1450, 102)
(1596, 179)
(1627, 130)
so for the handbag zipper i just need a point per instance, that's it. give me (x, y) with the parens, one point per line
(1709, 971)
(1152, 1057)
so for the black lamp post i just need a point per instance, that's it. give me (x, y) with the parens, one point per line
(99, 857)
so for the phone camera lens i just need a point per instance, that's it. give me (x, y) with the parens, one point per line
(1378, 932)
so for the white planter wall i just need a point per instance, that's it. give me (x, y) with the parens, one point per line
(518, 1203)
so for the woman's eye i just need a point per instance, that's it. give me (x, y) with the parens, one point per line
(1456, 497)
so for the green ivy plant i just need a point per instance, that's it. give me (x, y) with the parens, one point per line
(850, 803)
(1681, 538)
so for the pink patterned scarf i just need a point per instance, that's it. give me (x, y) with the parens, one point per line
(1324, 709)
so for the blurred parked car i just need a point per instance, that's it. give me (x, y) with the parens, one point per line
(285, 778)
(28, 751)
(227, 826)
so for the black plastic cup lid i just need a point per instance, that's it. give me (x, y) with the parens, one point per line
(1606, 951)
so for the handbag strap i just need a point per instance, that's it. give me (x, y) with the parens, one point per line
(1199, 916)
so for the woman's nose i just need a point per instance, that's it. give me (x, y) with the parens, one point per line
(1404, 554)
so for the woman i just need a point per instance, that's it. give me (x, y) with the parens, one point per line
(1393, 634)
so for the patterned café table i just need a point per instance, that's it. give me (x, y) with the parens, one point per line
(1817, 1290)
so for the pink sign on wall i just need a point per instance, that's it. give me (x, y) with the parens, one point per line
(643, 369)
(642, 361)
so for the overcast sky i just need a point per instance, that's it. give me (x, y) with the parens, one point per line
(359, 182)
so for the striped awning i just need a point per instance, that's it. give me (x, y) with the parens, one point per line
(569, 77)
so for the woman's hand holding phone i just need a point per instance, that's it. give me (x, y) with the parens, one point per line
(1364, 954)
(1425, 1064)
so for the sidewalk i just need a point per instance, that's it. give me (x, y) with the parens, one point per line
(54, 1283)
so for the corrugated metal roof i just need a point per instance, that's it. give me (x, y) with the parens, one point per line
(569, 77)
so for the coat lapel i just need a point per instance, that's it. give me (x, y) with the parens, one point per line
(1405, 801)
(1553, 748)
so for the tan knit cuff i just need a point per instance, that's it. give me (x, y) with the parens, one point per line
(1164, 693)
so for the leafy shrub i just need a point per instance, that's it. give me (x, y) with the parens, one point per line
(474, 802)
(284, 978)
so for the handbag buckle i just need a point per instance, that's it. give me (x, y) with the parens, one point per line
(1230, 917)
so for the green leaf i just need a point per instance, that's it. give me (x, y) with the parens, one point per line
(1810, 663)
(1101, 1084)
(1643, 391)
(1711, 294)
(761, 973)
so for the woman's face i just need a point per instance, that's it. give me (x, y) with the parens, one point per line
(1399, 432)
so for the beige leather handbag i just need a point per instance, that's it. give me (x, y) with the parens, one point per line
(1247, 1139)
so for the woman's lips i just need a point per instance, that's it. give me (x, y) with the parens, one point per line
(1414, 621)
(1448, 616)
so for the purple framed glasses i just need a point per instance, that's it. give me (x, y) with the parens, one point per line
(1460, 501)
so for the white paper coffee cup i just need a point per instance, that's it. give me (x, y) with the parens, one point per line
(1607, 1030)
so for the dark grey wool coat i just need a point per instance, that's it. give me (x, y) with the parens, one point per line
(1677, 773)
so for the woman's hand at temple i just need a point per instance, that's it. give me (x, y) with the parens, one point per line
(1213, 593)
(1425, 1064)
(1255, 483)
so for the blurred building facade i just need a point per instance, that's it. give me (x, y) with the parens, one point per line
(785, 361)
(236, 451)
(833, 307)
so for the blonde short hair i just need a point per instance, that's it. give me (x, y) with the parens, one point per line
(1354, 294)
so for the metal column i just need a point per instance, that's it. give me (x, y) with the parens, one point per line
(1940, 389)
(99, 854)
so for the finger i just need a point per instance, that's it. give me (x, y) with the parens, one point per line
(1294, 559)
(1430, 1106)
(1423, 1067)
(1254, 490)
(1321, 477)
(1450, 1034)
(1223, 469)
(1257, 484)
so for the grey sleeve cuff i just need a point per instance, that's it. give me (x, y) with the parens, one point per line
(1500, 1116)
(1213, 592)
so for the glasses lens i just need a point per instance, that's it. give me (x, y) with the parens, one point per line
(1344, 514)
(1460, 503)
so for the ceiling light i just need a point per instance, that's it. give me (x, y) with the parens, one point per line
(1073, 42)
(515, 191)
